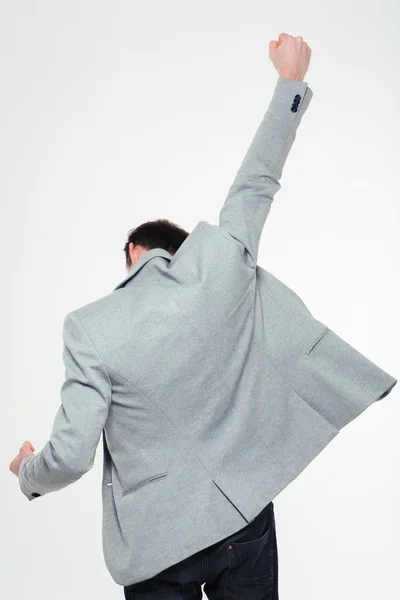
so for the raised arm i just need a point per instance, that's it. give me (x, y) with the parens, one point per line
(249, 199)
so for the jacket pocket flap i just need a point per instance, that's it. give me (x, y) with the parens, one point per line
(318, 340)
(144, 482)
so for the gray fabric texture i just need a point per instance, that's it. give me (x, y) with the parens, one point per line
(211, 381)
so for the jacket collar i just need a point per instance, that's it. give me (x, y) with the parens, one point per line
(146, 256)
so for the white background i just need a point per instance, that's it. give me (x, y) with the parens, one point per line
(114, 113)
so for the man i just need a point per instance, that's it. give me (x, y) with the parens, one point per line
(213, 386)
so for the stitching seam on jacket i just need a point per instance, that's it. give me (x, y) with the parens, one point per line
(158, 408)
(226, 235)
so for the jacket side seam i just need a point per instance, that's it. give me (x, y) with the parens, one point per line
(132, 385)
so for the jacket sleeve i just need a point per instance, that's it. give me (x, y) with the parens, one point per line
(78, 424)
(249, 198)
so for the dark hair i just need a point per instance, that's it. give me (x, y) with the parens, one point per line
(161, 233)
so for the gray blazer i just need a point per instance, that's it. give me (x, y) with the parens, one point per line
(211, 381)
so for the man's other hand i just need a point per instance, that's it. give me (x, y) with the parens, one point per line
(26, 450)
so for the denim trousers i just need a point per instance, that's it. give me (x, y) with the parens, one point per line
(243, 566)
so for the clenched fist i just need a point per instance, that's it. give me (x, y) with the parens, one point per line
(290, 56)
(26, 450)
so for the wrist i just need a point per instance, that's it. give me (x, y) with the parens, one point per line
(291, 76)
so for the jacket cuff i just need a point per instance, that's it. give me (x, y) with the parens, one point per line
(299, 91)
(23, 482)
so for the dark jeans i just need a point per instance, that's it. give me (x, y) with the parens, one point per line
(243, 566)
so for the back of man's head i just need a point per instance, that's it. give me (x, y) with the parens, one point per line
(160, 233)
